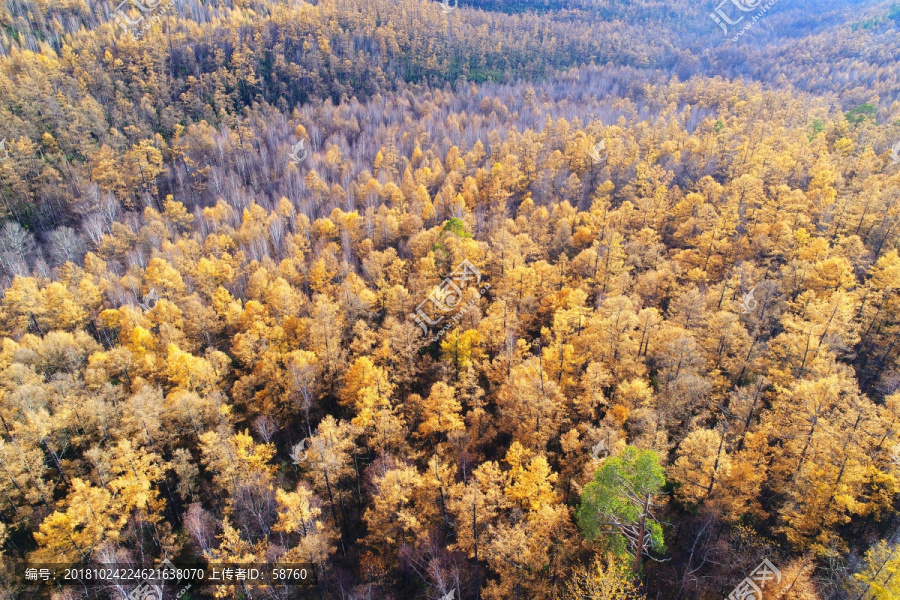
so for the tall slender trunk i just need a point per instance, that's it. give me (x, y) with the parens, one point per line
(475, 528)
(641, 532)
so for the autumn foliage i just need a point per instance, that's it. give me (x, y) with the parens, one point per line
(686, 358)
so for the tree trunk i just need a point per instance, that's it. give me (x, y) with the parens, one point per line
(640, 540)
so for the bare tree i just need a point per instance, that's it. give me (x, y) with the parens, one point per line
(65, 245)
(265, 427)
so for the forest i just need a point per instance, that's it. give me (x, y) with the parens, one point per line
(490, 300)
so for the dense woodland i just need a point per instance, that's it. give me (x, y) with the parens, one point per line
(683, 359)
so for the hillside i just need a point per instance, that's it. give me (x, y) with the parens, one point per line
(515, 300)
